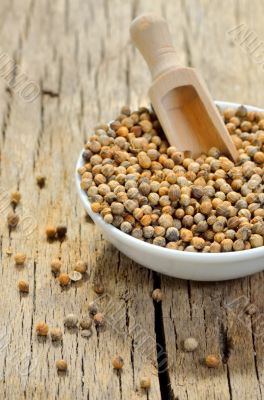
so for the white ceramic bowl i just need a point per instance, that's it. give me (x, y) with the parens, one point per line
(179, 264)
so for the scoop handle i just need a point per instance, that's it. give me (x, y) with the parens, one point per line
(150, 33)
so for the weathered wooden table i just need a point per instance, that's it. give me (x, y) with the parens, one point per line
(78, 54)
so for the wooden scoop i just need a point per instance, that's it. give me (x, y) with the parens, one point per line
(178, 94)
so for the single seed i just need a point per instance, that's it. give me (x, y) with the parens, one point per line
(98, 288)
(117, 362)
(99, 319)
(12, 219)
(166, 220)
(15, 198)
(23, 286)
(42, 329)
(56, 265)
(61, 365)
(256, 240)
(51, 232)
(86, 323)
(212, 361)
(186, 235)
(92, 308)
(64, 279)
(56, 334)
(145, 382)
(81, 266)
(190, 344)
(86, 333)
(71, 321)
(157, 295)
(41, 181)
(20, 258)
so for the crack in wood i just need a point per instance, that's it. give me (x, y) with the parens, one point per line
(164, 378)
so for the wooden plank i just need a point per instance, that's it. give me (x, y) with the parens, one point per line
(214, 313)
(83, 77)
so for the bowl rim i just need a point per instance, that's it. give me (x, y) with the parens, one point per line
(196, 257)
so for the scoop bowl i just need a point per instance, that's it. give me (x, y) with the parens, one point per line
(175, 263)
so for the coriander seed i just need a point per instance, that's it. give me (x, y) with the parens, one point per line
(98, 288)
(51, 232)
(81, 266)
(71, 321)
(20, 258)
(190, 344)
(212, 361)
(56, 265)
(61, 365)
(42, 329)
(23, 286)
(99, 319)
(151, 191)
(41, 181)
(15, 198)
(64, 279)
(56, 334)
(157, 295)
(86, 323)
(117, 362)
(145, 382)
(92, 308)
(12, 219)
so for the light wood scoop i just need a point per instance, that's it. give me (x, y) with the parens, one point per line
(179, 96)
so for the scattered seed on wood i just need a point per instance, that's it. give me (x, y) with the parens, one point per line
(75, 276)
(86, 323)
(157, 295)
(117, 362)
(80, 266)
(15, 198)
(98, 288)
(145, 382)
(23, 286)
(41, 181)
(212, 361)
(71, 321)
(86, 333)
(64, 279)
(56, 265)
(20, 258)
(99, 319)
(92, 308)
(12, 219)
(61, 365)
(42, 329)
(190, 344)
(56, 334)
(51, 232)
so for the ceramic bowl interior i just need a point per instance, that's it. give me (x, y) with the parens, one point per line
(179, 264)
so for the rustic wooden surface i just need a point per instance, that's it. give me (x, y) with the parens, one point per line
(80, 54)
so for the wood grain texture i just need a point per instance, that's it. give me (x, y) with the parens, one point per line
(80, 55)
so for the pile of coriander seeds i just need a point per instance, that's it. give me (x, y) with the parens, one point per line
(155, 193)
